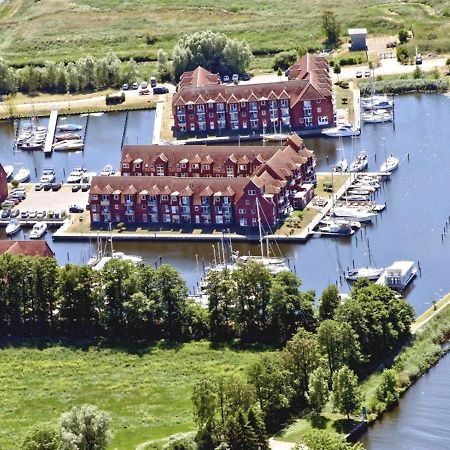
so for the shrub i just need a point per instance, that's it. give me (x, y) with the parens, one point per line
(402, 54)
(404, 86)
(284, 60)
(114, 99)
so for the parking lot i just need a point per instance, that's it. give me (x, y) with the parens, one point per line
(56, 201)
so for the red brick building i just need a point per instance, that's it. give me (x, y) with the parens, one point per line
(28, 248)
(3, 184)
(278, 179)
(304, 101)
(204, 161)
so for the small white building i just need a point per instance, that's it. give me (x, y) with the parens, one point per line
(357, 38)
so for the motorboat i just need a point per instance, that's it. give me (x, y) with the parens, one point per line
(38, 230)
(69, 127)
(67, 136)
(377, 117)
(352, 223)
(398, 275)
(390, 164)
(355, 197)
(48, 175)
(341, 165)
(273, 264)
(336, 229)
(76, 175)
(355, 190)
(371, 273)
(277, 137)
(32, 145)
(13, 227)
(353, 214)
(68, 144)
(22, 175)
(107, 171)
(360, 163)
(343, 130)
(377, 102)
(9, 170)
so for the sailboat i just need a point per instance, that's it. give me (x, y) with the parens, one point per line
(342, 164)
(360, 163)
(102, 257)
(390, 164)
(369, 272)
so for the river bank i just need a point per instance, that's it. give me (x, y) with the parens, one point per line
(429, 332)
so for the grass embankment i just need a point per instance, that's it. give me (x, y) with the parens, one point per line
(33, 32)
(148, 393)
(403, 86)
(415, 359)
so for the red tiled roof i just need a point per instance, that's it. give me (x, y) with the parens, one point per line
(198, 77)
(28, 248)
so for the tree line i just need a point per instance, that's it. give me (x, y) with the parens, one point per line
(84, 75)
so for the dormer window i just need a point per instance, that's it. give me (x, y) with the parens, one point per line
(191, 107)
(125, 166)
(243, 104)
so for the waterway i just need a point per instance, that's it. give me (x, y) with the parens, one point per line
(421, 421)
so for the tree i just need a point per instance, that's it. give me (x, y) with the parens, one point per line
(347, 396)
(289, 308)
(418, 73)
(330, 27)
(339, 344)
(403, 36)
(239, 433)
(180, 442)
(300, 358)
(85, 427)
(129, 72)
(337, 71)
(164, 71)
(213, 51)
(318, 392)
(329, 301)
(43, 436)
(204, 400)
(8, 83)
(284, 60)
(259, 429)
(387, 391)
(324, 440)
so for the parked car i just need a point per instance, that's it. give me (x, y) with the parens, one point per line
(85, 187)
(19, 194)
(17, 189)
(38, 187)
(418, 59)
(135, 86)
(5, 213)
(76, 187)
(245, 76)
(226, 79)
(47, 186)
(152, 82)
(50, 214)
(15, 200)
(14, 213)
(144, 85)
(76, 209)
(24, 214)
(56, 186)
(367, 73)
(8, 204)
(235, 77)
(32, 214)
(125, 87)
(391, 44)
(359, 74)
(41, 215)
(144, 92)
(160, 90)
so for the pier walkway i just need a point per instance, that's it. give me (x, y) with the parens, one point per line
(51, 131)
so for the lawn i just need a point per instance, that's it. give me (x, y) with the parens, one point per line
(147, 394)
(32, 31)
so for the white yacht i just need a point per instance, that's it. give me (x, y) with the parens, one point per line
(68, 144)
(22, 175)
(76, 175)
(353, 214)
(341, 165)
(377, 102)
(360, 163)
(342, 130)
(13, 227)
(371, 273)
(377, 117)
(336, 229)
(390, 164)
(38, 230)
(48, 175)
(398, 275)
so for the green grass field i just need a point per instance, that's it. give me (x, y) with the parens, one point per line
(34, 31)
(147, 395)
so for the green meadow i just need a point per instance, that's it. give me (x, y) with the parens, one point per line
(147, 393)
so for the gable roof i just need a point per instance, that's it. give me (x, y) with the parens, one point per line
(26, 248)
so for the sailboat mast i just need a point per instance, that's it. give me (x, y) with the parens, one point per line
(259, 227)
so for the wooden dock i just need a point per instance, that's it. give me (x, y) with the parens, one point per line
(51, 131)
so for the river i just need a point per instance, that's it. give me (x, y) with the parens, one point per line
(410, 228)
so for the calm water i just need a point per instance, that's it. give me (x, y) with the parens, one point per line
(422, 421)
(410, 228)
